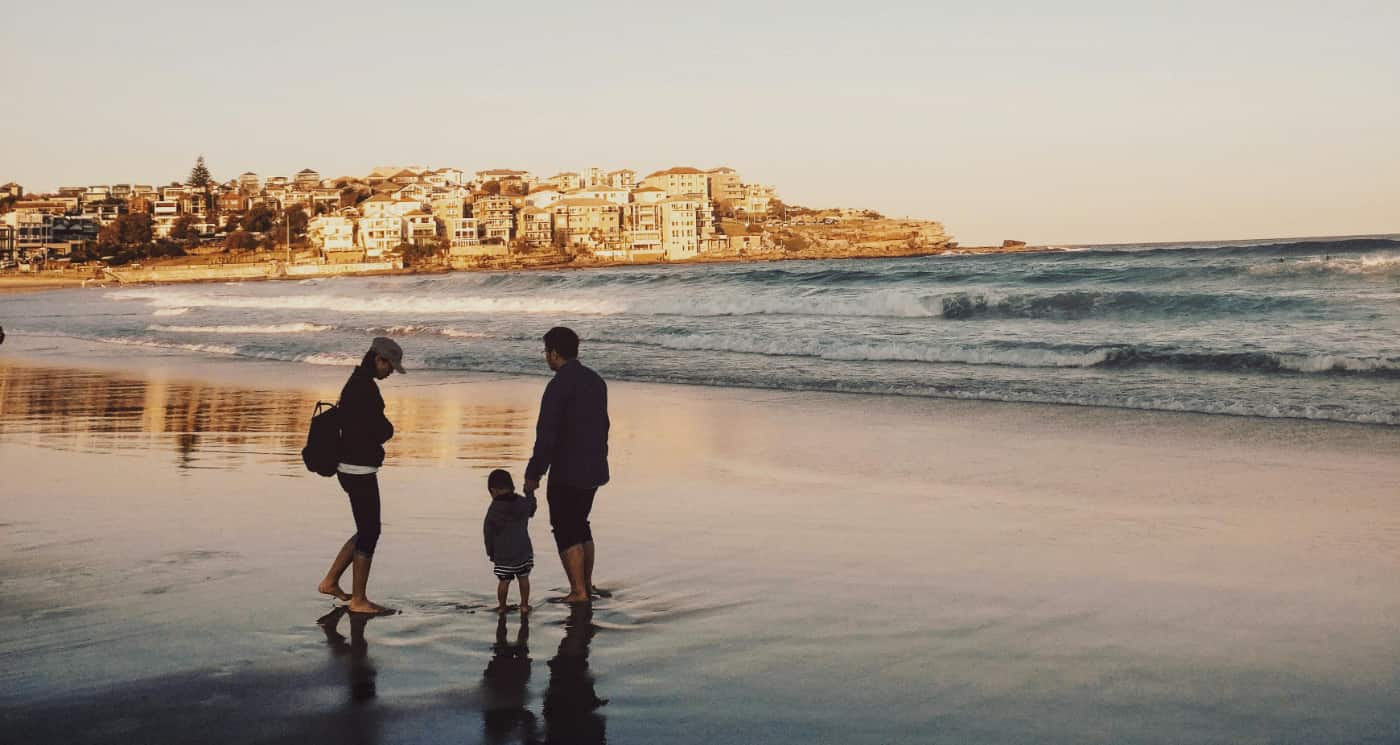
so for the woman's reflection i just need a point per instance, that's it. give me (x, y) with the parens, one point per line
(570, 702)
(505, 688)
(359, 668)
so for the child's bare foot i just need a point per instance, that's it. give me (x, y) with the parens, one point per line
(328, 587)
(369, 607)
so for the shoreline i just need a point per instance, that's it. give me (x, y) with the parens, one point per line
(11, 283)
(232, 368)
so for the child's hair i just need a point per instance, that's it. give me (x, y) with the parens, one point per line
(500, 479)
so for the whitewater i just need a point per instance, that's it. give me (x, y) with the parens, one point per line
(1306, 329)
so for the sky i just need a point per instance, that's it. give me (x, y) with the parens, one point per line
(1055, 123)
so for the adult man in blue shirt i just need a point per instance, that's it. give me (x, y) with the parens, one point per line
(571, 444)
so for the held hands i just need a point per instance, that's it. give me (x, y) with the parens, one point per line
(530, 486)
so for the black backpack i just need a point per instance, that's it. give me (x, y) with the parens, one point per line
(322, 452)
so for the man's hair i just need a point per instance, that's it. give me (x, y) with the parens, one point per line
(562, 340)
(500, 479)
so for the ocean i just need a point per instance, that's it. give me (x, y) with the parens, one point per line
(1280, 328)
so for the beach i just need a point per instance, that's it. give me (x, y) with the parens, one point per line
(785, 566)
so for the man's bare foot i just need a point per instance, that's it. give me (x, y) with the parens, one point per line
(573, 599)
(331, 588)
(369, 607)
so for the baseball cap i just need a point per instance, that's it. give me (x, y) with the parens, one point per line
(389, 350)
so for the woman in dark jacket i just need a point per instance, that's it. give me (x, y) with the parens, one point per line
(363, 431)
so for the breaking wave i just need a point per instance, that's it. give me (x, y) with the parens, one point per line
(281, 328)
(1027, 355)
(893, 303)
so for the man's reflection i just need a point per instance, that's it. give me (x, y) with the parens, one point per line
(570, 702)
(359, 668)
(505, 687)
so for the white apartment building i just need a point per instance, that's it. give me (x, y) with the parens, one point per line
(625, 178)
(421, 227)
(462, 234)
(617, 196)
(680, 228)
(543, 196)
(381, 205)
(680, 181)
(331, 232)
(380, 234)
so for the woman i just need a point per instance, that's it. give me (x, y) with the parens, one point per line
(363, 431)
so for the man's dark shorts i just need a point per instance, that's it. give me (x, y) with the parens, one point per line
(568, 513)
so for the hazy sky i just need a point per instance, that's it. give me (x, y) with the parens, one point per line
(1064, 122)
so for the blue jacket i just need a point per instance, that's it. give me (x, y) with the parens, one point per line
(571, 436)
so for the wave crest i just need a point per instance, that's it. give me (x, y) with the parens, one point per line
(281, 328)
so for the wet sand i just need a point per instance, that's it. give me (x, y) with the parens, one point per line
(786, 568)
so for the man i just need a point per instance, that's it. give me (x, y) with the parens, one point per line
(571, 438)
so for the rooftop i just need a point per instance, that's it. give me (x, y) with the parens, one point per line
(678, 170)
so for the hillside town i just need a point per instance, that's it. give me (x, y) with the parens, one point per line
(411, 216)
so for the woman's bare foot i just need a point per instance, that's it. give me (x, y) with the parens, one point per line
(573, 599)
(328, 587)
(525, 610)
(366, 606)
(502, 609)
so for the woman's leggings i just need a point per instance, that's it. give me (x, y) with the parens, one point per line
(364, 502)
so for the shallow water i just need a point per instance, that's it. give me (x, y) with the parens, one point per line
(786, 568)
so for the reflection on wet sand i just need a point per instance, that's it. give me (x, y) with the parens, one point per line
(208, 425)
(359, 668)
(571, 701)
(505, 688)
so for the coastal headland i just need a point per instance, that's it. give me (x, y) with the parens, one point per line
(858, 239)
(412, 219)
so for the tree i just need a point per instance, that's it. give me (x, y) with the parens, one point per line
(491, 187)
(165, 247)
(183, 230)
(296, 216)
(130, 232)
(201, 180)
(259, 219)
(240, 240)
(199, 176)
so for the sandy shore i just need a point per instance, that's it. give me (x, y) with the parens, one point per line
(786, 567)
(20, 283)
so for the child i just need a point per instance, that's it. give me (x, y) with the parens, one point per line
(507, 534)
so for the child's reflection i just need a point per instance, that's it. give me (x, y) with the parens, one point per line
(505, 684)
